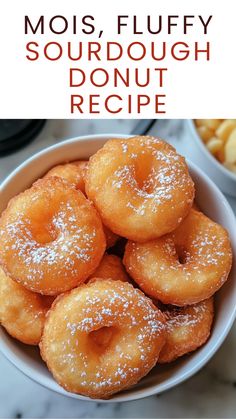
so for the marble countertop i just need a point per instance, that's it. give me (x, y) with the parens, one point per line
(209, 394)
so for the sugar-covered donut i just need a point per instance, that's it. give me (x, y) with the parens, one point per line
(22, 312)
(187, 328)
(110, 267)
(184, 267)
(140, 186)
(102, 337)
(51, 237)
(73, 172)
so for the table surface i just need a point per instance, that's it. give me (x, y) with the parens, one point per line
(209, 394)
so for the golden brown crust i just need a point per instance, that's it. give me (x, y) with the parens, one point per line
(101, 338)
(73, 172)
(111, 267)
(183, 267)
(22, 312)
(187, 328)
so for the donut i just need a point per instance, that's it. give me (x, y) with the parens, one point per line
(111, 266)
(187, 328)
(140, 186)
(73, 172)
(51, 237)
(22, 312)
(101, 338)
(183, 267)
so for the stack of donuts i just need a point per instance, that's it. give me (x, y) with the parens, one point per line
(110, 267)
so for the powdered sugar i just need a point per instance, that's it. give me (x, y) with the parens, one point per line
(133, 331)
(52, 240)
(167, 177)
(186, 317)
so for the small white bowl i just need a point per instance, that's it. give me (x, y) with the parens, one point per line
(161, 378)
(225, 179)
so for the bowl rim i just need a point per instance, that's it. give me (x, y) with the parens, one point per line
(207, 153)
(36, 376)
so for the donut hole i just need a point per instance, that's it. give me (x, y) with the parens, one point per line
(144, 174)
(44, 233)
(182, 254)
(102, 338)
(42, 223)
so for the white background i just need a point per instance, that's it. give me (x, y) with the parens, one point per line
(40, 89)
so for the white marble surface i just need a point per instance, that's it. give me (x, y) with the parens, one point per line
(209, 394)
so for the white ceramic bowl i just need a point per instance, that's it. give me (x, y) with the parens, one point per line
(225, 179)
(161, 378)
